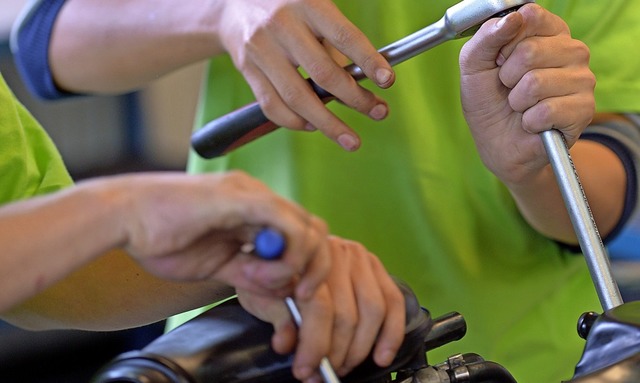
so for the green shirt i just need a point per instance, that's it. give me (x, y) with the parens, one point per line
(418, 196)
(29, 161)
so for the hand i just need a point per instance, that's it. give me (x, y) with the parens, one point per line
(269, 40)
(193, 227)
(521, 75)
(360, 308)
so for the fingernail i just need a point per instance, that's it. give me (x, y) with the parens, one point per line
(303, 373)
(379, 112)
(383, 76)
(502, 21)
(314, 379)
(310, 128)
(348, 142)
(386, 357)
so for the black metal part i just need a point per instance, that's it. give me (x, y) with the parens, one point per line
(585, 323)
(227, 344)
(613, 341)
(445, 329)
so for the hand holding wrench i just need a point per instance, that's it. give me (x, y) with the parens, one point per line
(237, 128)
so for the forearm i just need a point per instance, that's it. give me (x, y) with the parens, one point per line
(112, 293)
(44, 239)
(41, 238)
(603, 178)
(118, 46)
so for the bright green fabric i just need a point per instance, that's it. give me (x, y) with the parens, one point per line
(418, 196)
(29, 162)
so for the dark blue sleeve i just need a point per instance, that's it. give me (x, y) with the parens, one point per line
(624, 140)
(30, 40)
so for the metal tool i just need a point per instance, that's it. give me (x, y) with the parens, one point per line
(582, 219)
(270, 244)
(248, 123)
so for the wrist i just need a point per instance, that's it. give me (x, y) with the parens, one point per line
(110, 200)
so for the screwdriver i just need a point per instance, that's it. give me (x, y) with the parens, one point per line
(270, 244)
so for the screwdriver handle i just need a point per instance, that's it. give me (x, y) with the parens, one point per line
(269, 244)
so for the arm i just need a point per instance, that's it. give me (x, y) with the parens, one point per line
(117, 46)
(177, 227)
(519, 78)
(604, 180)
(121, 45)
(192, 229)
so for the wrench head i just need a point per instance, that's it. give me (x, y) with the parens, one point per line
(466, 17)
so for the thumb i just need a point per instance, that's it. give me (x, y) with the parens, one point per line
(483, 51)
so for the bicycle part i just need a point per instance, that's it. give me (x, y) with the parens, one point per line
(226, 344)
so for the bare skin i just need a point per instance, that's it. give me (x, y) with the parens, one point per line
(183, 237)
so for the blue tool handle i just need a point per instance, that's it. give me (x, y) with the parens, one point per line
(269, 244)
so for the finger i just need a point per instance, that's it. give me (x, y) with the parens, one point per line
(371, 310)
(346, 311)
(392, 334)
(307, 252)
(568, 114)
(537, 21)
(315, 274)
(329, 75)
(302, 100)
(263, 83)
(314, 334)
(543, 52)
(481, 51)
(284, 337)
(275, 312)
(540, 84)
(294, 104)
(329, 22)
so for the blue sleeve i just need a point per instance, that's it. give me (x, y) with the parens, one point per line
(30, 40)
(623, 139)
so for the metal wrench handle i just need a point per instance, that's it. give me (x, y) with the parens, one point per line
(582, 219)
(244, 125)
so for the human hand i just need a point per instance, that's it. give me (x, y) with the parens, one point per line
(192, 228)
(358, 308)
(520, 75)
(269, 40)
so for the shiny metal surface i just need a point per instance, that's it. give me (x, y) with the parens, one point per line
(582, 220)
(460, 20)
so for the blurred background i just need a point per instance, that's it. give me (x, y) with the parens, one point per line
(146, 130)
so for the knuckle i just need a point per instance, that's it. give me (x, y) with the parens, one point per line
(374, 307)
(275, 111)
(320, 225)
(362, 102)
(533, 81)
(292, 96)
(346, 321)
(343, 37)
(325, 74)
